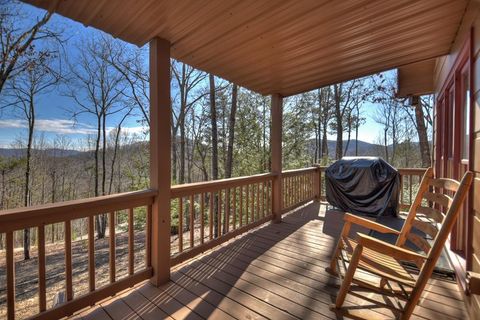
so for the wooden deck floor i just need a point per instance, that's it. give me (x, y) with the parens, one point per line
(274, 272)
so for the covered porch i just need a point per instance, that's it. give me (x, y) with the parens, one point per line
(226, 258)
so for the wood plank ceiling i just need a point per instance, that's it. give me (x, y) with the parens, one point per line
(280, 46)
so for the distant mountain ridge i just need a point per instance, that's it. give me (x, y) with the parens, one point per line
(364, 149)
(21, 152)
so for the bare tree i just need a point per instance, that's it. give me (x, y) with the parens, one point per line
(39, 76)
(16, 40)
(343, 96)
(97, 88)
(420, 114)
(187, 78)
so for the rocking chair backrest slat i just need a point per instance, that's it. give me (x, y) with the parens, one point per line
(431, 213)
(417, 202)
(430, 220)
(426, 227)
(445, 183)
(439, 242)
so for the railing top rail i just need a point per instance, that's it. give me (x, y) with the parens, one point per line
(19, 218)
(412, 171)
(298, 171)
(183, 190)
(402, 171)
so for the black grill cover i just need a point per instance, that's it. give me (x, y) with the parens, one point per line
(363, 185)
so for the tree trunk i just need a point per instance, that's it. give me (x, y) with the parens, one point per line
(31, 125)
(114, 158)
(356, 131)
(324, 142)
(96, 169)
(2, 200)
(213, 118)
(231, 133)
(174, 155)
(385, 143)
(422, 135)
(339, 122)
(339, 146)
(229, 161)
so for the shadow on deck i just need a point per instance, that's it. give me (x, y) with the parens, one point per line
(276, 272)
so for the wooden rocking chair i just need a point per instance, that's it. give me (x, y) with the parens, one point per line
(372, 264)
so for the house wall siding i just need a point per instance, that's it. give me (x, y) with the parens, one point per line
(471, 22)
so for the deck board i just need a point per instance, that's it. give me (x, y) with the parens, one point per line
(275, 272)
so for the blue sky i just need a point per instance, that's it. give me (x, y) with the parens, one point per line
(53, 118)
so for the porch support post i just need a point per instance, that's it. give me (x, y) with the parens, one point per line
(160, 162)
(276, 157)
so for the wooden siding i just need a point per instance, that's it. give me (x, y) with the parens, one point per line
(284, 47)
(274, 272)
(470, 23)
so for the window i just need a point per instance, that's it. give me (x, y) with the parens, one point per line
(450, 113)
(465, 116)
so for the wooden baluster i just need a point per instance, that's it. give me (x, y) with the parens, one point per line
(313, 184)
(68, 260)
(131, 242)
(303, 179)
(210, 218)
(180, 224)
(263, 199)
(192, 221)
(299, 189)
(227, 210)
(320, 191)
(286, 188)
(42, 290)
(252, 205)
(240, 214)
(410, 181)
(302, 188)
(295, 190)
(401, 190)
(148, 238)
(270, 202)
(247, 204)
(305, 184)
(202, 217)
(258, 201)
(111, 238)
(10, 260)
(234, 217)
(91, 254)
(290, 194)
(219, 214)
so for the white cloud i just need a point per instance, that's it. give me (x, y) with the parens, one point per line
(61, 126)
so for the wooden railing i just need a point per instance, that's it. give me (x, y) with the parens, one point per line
(206, 214)
(410, 179)
(203, 215)
(298, 187)
(40, 216)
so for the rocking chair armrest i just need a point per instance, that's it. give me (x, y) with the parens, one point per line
(368, 224)
(389, 249)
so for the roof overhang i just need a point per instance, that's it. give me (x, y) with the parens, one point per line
(279, 46)
(416, 79)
